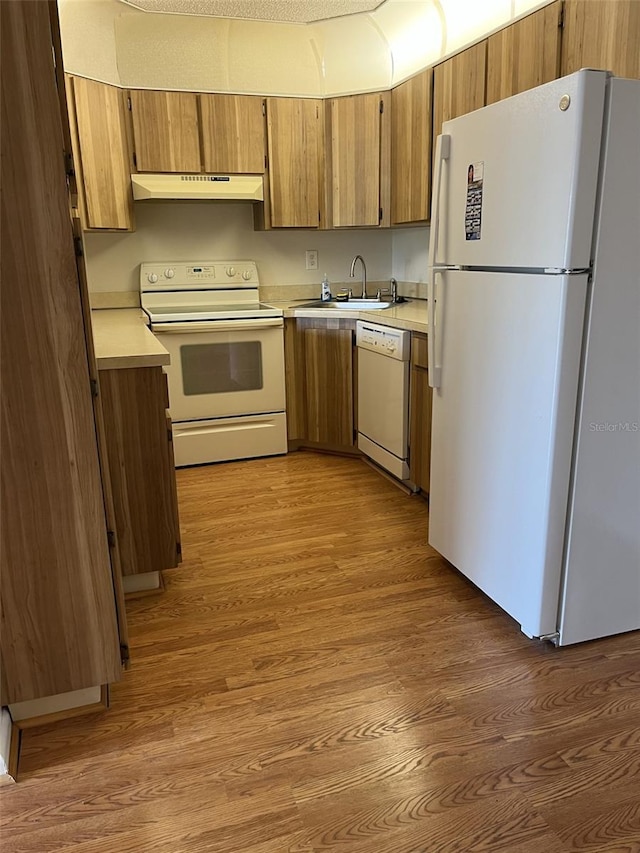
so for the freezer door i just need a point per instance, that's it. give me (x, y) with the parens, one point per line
(518, 187)
(502, 433)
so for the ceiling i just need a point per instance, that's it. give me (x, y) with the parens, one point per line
(282, 11)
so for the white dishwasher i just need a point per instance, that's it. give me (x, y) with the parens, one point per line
(383, 396)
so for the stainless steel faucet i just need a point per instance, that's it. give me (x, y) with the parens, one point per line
(364, 274)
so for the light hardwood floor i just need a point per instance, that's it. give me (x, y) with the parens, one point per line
(315, 678)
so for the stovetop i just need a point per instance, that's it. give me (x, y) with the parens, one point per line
(178, 291)
(223, 311)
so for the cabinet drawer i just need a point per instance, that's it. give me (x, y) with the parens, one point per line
(419, 350)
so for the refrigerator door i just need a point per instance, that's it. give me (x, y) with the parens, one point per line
(518, 186)
(601, 593)
(502, 433)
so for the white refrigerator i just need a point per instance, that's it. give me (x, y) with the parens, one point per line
(534, 355)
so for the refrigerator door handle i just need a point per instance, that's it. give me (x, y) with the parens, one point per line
(434, 346)
(443, 147)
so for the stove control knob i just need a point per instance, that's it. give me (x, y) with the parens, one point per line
(169, 273)
(246, 275)
(231, 271)
(152, 277)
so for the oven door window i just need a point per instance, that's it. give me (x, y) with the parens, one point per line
(221, 368)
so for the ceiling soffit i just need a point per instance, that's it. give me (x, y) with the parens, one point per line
(281, 11)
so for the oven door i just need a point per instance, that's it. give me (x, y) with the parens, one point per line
(222, 368)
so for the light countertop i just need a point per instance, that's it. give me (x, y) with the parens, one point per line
(411, 315)
(122, 339)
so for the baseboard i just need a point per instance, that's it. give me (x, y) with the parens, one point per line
(405, 486)
(319, 447)
(147, 583)
(44, 719)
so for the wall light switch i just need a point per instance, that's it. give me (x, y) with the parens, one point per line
(311, 259)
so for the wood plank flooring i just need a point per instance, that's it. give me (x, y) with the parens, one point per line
(316, 678)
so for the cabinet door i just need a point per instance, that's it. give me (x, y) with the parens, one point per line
(459, 85)
(525, 54)
(420, 414)
(603, 35)
(411, 149)
(328, 357)
(295, 149)
(294, 380)
(134, 402)
(165, 131)
(356, 138)
(59, 630)
(232, 133)
(101, 154)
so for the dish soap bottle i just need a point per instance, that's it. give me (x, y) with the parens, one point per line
(326, 289)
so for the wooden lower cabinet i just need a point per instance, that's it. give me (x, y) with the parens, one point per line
(141, 468)
(320, 363)
(420, 413)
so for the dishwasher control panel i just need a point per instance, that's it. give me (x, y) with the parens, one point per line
(394, 343)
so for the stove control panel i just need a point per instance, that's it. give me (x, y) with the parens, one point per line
(198, 275)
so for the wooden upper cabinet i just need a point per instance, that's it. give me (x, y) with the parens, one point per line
(59, 629)
(165, 131)
(459, 85)
(411, 149)
(356, 124)
(525, 54)
(101, 153)
(232, 133)
(603, 35)
(294, 132)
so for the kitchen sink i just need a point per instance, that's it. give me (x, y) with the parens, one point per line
(348, 305)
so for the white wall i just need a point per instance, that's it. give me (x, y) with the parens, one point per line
(410, 253)
(221, 231)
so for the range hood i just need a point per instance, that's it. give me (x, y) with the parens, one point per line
(202, 187)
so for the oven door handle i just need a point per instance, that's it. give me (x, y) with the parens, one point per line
(218, 326)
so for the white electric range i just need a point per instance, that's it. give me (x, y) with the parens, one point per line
(226, 377)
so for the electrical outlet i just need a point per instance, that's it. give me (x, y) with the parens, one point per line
(311, 259)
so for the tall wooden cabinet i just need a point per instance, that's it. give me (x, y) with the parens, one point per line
(359, 160)
(525, 54)
(600, 34)
(98, 116)
(296, 162)
(166, 131)
(59, 629)
(411, 149)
